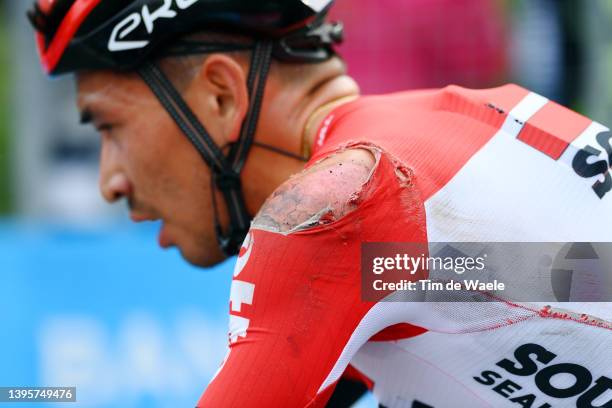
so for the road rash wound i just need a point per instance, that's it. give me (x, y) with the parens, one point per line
(321, 194)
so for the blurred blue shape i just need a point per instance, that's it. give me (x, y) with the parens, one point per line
(109, 312)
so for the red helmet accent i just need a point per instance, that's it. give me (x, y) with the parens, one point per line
(51, 55)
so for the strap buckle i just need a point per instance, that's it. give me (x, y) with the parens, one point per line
(227, 180)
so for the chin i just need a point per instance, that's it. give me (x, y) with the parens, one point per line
(204, 256)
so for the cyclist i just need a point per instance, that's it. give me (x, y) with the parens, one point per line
(255, 90)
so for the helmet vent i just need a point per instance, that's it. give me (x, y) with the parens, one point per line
(46, 17)
(317, 5)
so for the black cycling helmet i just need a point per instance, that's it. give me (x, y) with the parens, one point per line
(120, 34)
(76, 35)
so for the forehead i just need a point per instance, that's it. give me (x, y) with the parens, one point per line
(105, 87)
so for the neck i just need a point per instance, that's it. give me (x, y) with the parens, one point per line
(314, 122)
(288, 122)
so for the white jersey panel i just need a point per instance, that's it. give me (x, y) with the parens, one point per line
(509, 185)
(440, 370)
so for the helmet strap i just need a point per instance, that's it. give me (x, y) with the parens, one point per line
(225, 171)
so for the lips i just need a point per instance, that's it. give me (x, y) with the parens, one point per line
(138, 217)
(164, 239)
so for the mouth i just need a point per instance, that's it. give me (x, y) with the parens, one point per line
(139, 217)
(164, 239)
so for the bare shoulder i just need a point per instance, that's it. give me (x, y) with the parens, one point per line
(322, 193)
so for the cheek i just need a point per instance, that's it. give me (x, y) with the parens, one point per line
(167, 169)
(149, 144)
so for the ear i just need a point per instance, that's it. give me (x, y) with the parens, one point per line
(225, 96)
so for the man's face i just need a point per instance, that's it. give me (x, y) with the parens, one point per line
(147, 160)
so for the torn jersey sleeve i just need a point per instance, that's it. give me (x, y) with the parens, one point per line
(295, 306)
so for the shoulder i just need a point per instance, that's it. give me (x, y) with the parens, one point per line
(323, 192)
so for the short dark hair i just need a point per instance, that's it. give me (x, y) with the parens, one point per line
(182, 69)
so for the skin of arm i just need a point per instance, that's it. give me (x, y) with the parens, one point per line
(322, 192)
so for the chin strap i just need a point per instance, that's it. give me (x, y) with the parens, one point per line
(225, 171)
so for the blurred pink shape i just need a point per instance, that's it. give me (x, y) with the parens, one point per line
(393, 45)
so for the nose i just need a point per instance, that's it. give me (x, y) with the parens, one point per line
(114, 183)
(115, 187)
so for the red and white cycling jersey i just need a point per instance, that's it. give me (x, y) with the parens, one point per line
(452, 165)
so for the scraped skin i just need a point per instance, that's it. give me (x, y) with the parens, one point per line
(322, 194)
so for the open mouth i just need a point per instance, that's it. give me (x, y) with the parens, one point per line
(164, 239)
(138, 217)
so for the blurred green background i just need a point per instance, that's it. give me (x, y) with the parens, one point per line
(5, 123)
